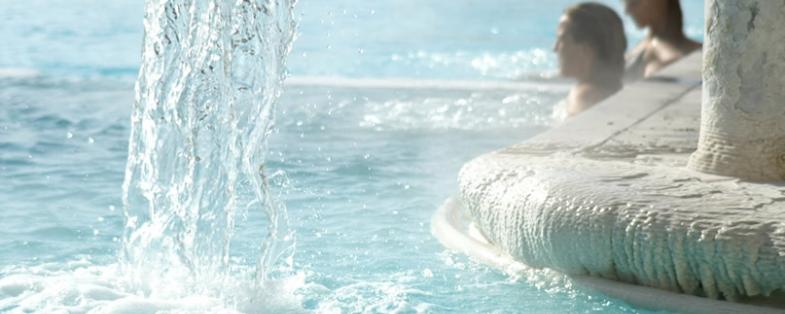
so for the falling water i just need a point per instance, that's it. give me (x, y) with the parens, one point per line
(210, 76)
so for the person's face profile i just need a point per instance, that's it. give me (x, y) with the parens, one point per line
(573, 56)
(561, 45)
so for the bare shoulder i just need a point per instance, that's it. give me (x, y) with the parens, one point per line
(669, 51)
(583, 97)
(663, 53)
(639, 49)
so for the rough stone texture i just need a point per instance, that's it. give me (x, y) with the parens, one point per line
(608, 194)
(743, 126)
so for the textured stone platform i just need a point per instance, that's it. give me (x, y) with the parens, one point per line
(607, 194)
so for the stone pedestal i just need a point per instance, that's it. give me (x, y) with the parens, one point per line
(608, 194)
(743, 111)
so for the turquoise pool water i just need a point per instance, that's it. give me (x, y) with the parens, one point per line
(361, 170)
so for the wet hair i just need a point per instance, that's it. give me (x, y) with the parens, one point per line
(674, 16)
(599, 27)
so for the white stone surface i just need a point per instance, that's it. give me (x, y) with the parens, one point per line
(649, 225)
(743, 125)
(455, 231)
(608, 194)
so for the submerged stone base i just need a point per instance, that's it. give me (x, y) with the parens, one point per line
(457, 232)
(608, 194)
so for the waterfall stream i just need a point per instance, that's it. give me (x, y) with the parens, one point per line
(210, 76)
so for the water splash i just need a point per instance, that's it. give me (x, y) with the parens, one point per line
(211, 73)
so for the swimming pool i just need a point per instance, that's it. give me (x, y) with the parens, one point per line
(361, 168)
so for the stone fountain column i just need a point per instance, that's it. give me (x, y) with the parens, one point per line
(743, 113)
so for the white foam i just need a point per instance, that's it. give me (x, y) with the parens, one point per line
(425, 84)
(88, 288)
(391, 296)
(477, 111)
(18, 73)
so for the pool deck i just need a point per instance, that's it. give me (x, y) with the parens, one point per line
(608, 195)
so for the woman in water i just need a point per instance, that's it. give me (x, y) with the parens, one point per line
(590, 45)
(665, 42)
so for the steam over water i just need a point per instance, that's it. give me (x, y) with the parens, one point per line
(210, 76)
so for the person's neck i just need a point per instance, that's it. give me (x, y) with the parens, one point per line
(666, 32)
(603, 80)
(586, 94)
